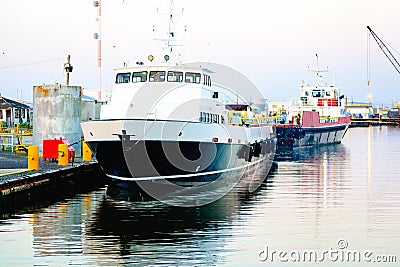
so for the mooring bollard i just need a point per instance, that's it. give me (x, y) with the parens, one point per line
(87, 153)
(33, 158)
(62, 155)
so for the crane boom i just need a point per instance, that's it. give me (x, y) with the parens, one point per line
(385, 50)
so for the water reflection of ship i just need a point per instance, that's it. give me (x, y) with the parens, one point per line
(152, 226)
(152, 231)
(321, 169)
(308, 153)
(97, 230)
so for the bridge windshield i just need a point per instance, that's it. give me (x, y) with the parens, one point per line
(157, 76)
(175, 76)
(139, 77)
(192, 77)
(123, 77)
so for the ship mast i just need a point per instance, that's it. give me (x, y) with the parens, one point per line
(170, 25)
(170, 39)
(318, 78)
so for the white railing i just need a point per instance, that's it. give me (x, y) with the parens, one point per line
(8, 141)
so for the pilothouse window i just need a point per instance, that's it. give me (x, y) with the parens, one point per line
(157, 76)
(206, 80)
(317, 93)
(123, 77)
(138, 77)
(175, 76)
(191, 77)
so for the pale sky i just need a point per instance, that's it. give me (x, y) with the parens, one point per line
(271, 42)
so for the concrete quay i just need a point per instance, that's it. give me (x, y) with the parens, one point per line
(20, 187)
(358, 122)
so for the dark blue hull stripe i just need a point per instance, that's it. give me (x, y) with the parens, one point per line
(195, 161)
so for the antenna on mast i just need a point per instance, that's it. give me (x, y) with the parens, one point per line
(170, 38)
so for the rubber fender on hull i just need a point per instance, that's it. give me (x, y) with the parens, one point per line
(250, 154)
(246, 152)
(299, 133)
(280, 132)
(291, 133)
(302, 133)
(256, 149)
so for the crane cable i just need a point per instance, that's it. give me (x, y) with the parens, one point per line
(382, 45)
(368, 59)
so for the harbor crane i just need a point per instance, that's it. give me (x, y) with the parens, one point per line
(385, 50)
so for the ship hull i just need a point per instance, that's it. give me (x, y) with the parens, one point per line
(147, 160)
(320, 136)
(198, 154)
(309, 136)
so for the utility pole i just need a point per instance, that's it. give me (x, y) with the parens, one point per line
(97, 36)
(68, 68)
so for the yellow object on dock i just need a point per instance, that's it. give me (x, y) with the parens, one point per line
(6, 172)
(87, 153)
(33, 158)
(22, 148)
(62, 155)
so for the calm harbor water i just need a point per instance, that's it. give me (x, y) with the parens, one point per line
(316, 208)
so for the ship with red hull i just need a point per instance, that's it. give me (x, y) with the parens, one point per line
(317, 118)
